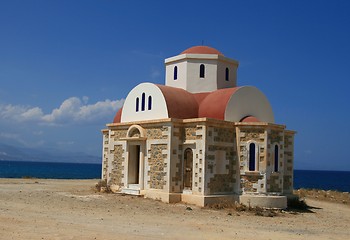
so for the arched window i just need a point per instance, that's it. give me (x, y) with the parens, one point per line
(143, 102)
(137, 104)
(227, 73)
(201, 71)
(175, 73)
(252, 157)
(276, 159)
(188, 168)
(149, 102)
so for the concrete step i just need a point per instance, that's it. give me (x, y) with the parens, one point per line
(131, 191)
(134, 186)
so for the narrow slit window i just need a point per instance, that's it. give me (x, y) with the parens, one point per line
(175, 73)
(252, 157)
(143, 100)
(227, 74)
(149, 102)
(202, 71)
(137, 104)
(276, 159)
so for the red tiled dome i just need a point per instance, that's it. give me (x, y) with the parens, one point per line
(118, 116)
(214, 105)
(202, 50)
(180, 103)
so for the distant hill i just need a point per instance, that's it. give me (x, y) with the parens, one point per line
(11, 153)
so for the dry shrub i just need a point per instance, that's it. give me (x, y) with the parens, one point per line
(239, 207)
(102, 186)
(223, 204)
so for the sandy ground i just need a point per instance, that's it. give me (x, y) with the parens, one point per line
(71, 209)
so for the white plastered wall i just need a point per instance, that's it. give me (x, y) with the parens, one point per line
(248, 101)
(195, 84)
(159, 108)
(221, 72)
(180, 82)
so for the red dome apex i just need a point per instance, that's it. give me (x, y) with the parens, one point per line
(202, 50)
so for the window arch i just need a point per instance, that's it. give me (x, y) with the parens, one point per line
(227, 74)
(276, 159)
(137, 104)
(175, 73)
(149, 102)
(252, 157)
(202, 71)
(143, 102)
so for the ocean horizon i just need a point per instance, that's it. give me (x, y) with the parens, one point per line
(310, 179)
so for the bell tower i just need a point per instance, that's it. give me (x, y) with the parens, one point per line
(201, 69)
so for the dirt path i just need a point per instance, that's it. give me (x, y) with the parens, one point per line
(70, 209)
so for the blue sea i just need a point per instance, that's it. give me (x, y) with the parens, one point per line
(327, 180)
(17, 169)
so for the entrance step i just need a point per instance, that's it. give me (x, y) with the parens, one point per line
(134, 186)
(131, 191)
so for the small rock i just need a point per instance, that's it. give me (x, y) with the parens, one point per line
(189, 208)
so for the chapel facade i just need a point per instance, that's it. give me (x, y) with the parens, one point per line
(200, 138)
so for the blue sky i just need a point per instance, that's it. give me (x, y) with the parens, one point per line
(66, 66)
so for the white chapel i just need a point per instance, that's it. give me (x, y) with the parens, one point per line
(199, 138)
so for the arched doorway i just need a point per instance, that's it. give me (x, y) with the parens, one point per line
(135, 146)
(187, 169)
(134, 164)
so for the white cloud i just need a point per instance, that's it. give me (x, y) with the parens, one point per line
(72, 110)
(19, 139)
(32, 114)
(85, 99)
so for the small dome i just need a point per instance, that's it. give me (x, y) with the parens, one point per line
(250, 119)
(202, 50)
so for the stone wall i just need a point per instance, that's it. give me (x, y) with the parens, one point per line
(275, 179)
(187, 135)
(116, 175)
(274, 183)
(245, 136)
(156, 132)
(105, 144)
(221, 161)
(252, 182)
(224, 135)
(288, 159)
(116, 135)
(157, 163)
(176, 160)
(220, 164)
(224, 182)
(275, 137)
